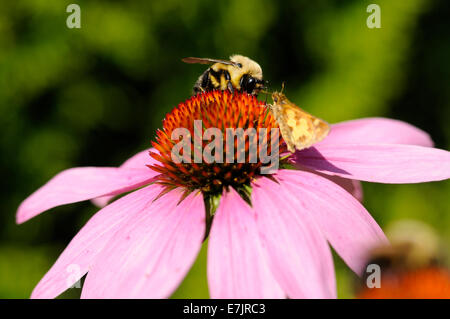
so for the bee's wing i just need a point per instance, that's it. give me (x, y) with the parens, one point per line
(304, 128)
(207, 61)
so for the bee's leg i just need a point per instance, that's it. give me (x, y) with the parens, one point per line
(227, 77)
(230, 87)
(197, 90)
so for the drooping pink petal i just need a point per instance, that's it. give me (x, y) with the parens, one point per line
(382, 163)
(299, 256)
(344, 221)
(78, 184)
(237, 266)
(352, 186)
(149, 256)
(376, 130)
(79, 255)
(371, 130)
(140, 160)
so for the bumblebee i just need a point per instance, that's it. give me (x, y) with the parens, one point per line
(238, 74)
(413, 266)
(413, 245)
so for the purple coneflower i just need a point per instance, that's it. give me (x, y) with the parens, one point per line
(270, 234)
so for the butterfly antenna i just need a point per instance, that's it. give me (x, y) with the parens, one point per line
(282, 86)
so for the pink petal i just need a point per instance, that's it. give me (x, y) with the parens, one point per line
(352, 186)
(382, 163)
(299, 256)
(376, 130)
(149, 256)
(78, 184)
(140, 160)
(371, 130)
(237, 267)
(344, 221)
(81, 252)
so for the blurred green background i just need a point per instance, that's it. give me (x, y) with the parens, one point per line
(94, 96)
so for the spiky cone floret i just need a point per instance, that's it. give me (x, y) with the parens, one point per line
(216, 109)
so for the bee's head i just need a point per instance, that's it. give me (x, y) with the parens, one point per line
(249, 74)
(251, 84)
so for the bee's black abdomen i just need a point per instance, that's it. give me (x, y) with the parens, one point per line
(211, 80)
(206, 81)
(215, 74)
(203, 83)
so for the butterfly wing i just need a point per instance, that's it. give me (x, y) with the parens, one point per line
(302, 129)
